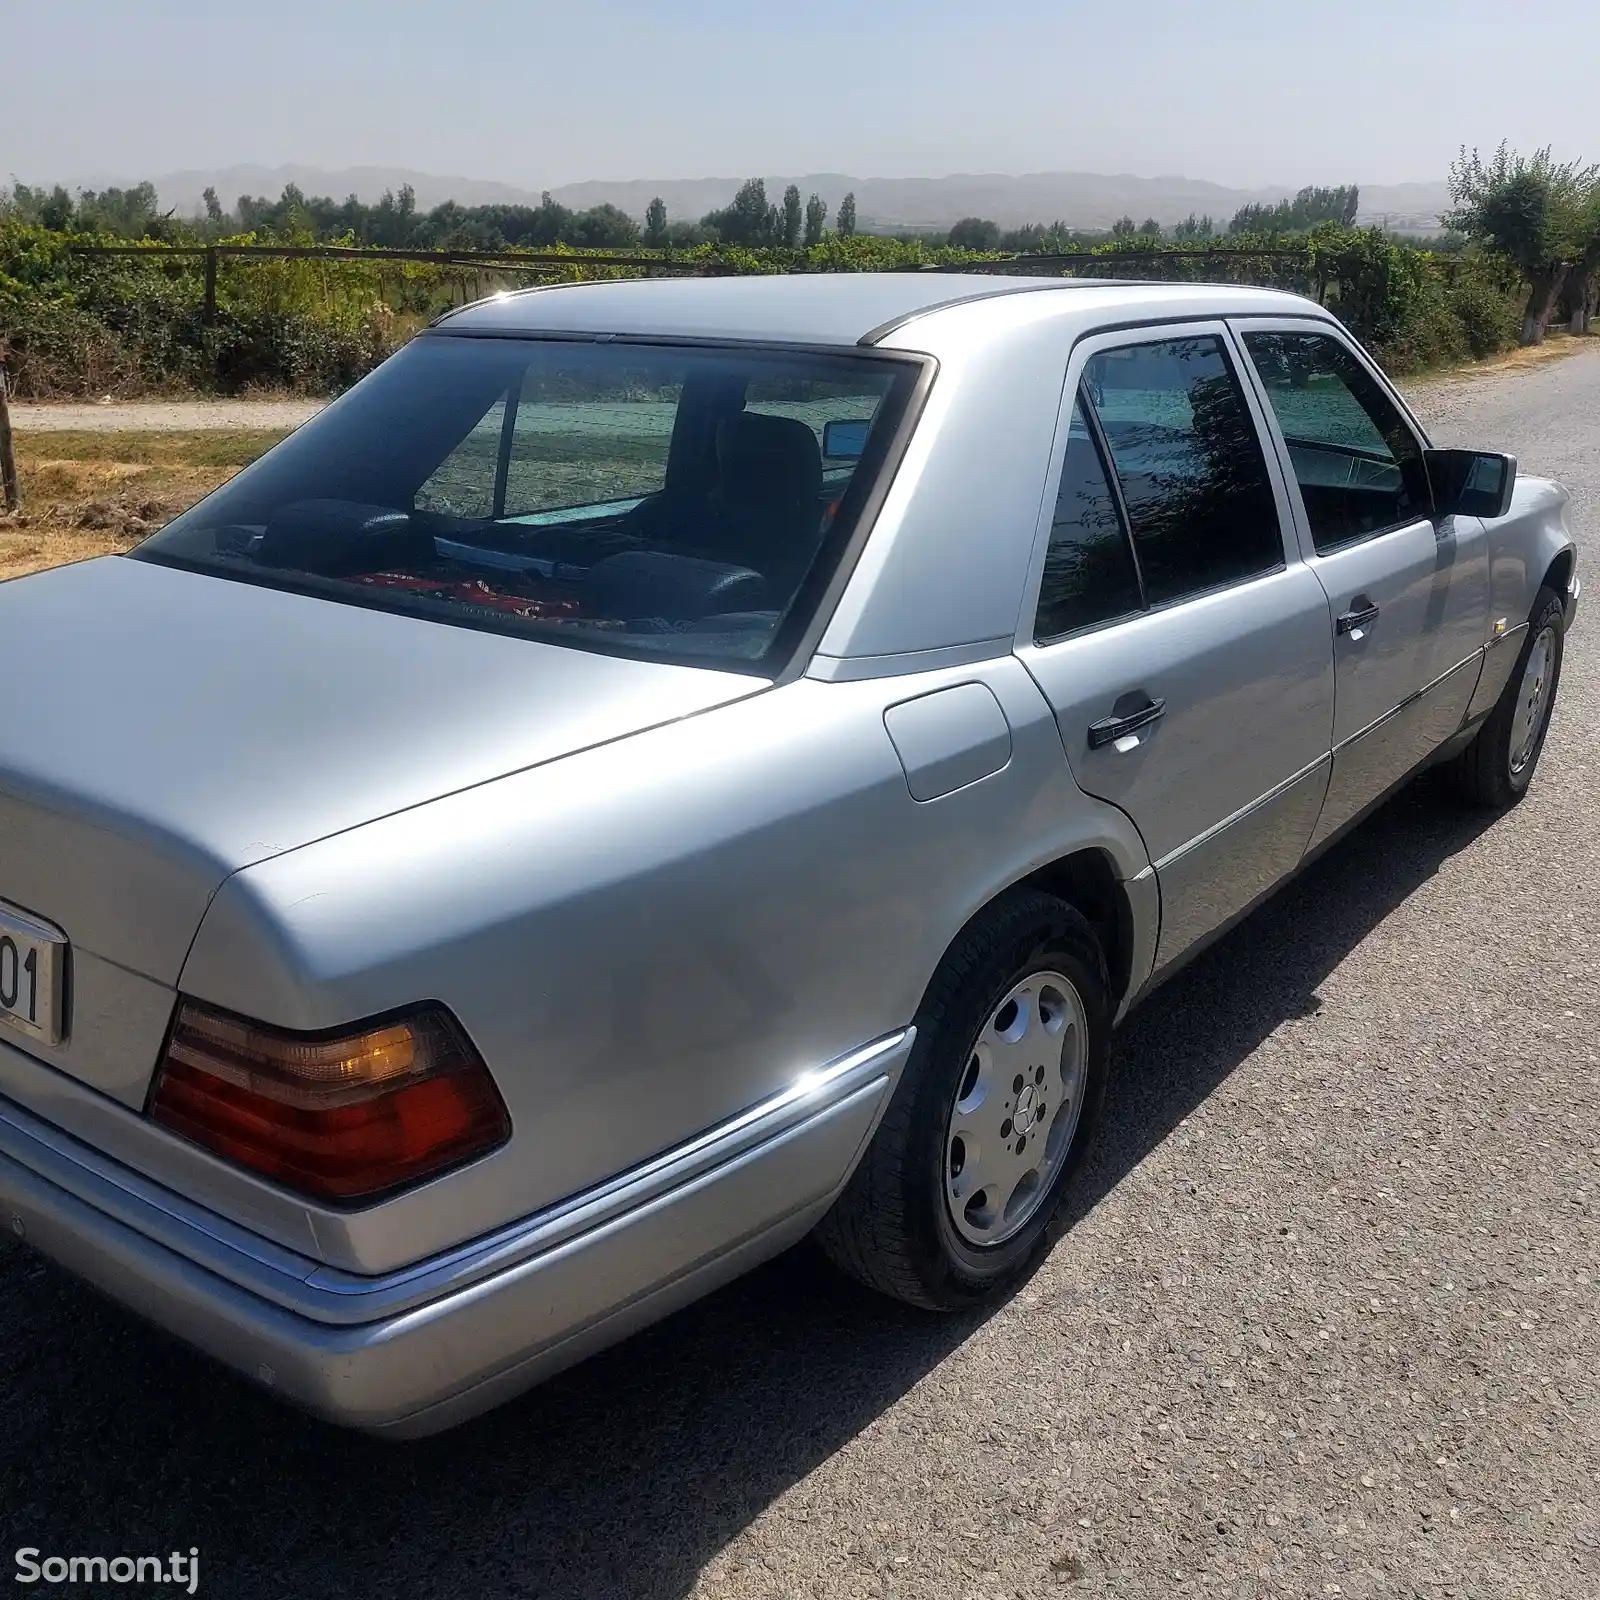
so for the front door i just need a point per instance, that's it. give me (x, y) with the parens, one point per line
(1409, 595)
(1184, 651)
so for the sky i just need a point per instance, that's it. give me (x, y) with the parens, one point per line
(535, 93)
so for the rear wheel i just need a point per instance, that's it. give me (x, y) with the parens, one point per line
(954, 1200)
(1497, 767)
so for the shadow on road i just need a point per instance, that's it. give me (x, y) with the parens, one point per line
(627, 1475)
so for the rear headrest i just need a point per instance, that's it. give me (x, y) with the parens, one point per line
(334, 537)
(767, 461)
(654, 583)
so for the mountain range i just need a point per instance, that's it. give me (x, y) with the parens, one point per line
(1080, 199)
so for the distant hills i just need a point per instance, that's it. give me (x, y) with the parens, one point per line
(1080, 199)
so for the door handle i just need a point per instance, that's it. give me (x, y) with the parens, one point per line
(1357, 618)
(1109, 729)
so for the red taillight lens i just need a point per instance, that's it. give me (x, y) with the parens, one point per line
(341, 1119)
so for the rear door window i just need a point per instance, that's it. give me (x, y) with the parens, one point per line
(1359, 466)
(1189, 464)
(1089, 571)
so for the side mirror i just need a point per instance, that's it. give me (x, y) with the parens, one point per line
(845, 440)
(1471, 483)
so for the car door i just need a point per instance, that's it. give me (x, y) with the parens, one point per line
(1179, 638)
(1409, 593)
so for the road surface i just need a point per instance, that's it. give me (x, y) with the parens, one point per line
(1326, 1323)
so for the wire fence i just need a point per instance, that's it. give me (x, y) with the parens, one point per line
(1289, 267)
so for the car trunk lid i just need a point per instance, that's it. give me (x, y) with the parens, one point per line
(164, 729)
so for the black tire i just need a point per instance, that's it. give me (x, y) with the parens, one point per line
(1484, 773)
(891, 1227)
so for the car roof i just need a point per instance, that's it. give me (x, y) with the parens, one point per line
(812, 308)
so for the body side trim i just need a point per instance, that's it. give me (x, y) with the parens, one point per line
(1409, 701)
(1216, 828)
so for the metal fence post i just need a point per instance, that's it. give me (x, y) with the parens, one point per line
(209, 313)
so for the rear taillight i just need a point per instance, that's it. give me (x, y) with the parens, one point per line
(344, 1118)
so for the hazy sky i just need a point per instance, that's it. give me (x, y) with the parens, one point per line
(539, 93)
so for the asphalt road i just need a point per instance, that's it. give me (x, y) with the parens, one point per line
(1326, 1323)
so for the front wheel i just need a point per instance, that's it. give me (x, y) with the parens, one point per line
(954, 1199)
(1497, 767)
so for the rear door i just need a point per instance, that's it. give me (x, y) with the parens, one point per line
(1409, 593)
(1180, 640)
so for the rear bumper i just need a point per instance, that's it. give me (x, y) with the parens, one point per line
(421, 1349)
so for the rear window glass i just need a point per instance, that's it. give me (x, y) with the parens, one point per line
(651, 500)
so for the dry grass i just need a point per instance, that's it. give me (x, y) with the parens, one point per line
(91, 494)
(1557, 344)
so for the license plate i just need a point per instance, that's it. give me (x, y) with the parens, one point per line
(33, 966)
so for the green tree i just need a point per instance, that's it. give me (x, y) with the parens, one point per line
(1310, 208)
(127, 213)
(847, 216)
(655, 223)
(1528, 210)
(1123, 228)
(816, 218)
(213, 205)
(1193, 227)
(791, 217)
(1583, 289)
(1150, 228)
(52, 208)
(975, 233)
(603, 227)
(749, 221)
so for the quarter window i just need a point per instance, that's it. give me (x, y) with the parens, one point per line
(1089, 575)
(1189, 465)
(1359, 467)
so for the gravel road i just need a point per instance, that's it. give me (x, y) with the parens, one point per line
(161, 416)
(1326, 1323)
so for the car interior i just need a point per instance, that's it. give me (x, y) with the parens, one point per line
(721, 547)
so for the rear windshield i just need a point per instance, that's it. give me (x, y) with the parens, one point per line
(648, 499)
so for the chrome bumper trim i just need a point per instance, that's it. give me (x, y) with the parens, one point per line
(420, 1349)
(331, 1295)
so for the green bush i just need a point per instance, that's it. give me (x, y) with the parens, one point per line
(79, 324)
(59, 351)
(1487, 303)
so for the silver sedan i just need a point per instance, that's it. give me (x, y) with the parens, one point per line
(659, 770)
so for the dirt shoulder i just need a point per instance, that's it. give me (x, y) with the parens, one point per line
(163, 416)
(92, 492)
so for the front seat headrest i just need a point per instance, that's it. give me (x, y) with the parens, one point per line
(767, 461)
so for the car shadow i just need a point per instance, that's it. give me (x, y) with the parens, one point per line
(627, 1475)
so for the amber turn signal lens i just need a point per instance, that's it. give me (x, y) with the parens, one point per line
(343, 1119)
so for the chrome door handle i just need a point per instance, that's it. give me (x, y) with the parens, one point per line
(1109, 729)
(1353, 621)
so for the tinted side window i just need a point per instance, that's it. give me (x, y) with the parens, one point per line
(1359, 466)
(1189, 464)
(1089, 575)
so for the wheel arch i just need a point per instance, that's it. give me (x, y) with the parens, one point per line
(1087, 880)
(1559, 573)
